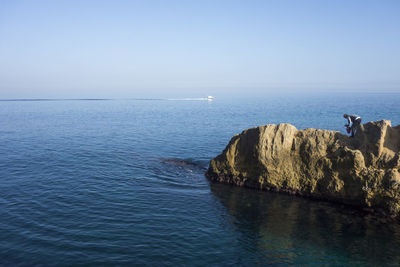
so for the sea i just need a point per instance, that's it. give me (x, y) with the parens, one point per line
(120, 182)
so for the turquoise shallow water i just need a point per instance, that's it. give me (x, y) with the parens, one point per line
(118, 182)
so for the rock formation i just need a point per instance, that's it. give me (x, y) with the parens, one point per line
(363, 171)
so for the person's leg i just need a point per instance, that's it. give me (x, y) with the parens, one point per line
(355, 126)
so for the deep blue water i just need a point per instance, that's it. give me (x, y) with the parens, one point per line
(117, 182)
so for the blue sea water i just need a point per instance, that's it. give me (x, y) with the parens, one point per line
(121, 182)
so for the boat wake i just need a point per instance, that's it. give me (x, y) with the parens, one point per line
(209, 98)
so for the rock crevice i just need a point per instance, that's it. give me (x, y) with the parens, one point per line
(363, 171)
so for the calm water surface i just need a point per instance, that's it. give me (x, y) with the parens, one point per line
(117, 182)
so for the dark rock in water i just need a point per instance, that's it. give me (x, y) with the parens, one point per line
(186, 164)
(178, 162)
(363, 171)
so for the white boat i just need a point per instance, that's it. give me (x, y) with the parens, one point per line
(210, 97)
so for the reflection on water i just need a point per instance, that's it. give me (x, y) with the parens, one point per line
(288, 229)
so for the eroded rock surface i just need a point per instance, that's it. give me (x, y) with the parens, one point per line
(363, 171)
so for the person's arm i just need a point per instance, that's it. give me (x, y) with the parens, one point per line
(349, 120)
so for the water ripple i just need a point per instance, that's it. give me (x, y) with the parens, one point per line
(122, 182)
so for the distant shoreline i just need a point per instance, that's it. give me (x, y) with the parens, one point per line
(101, 99)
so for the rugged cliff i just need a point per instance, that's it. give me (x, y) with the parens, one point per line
(363, 171)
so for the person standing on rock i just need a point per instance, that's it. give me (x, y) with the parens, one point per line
(353, 122)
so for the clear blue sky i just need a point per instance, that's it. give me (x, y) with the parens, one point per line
(74, 49)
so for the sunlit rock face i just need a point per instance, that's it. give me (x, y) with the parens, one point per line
(363, 171)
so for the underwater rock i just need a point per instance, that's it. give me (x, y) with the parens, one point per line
(363, 171)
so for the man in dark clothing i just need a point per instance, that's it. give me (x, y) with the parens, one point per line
(353, 122)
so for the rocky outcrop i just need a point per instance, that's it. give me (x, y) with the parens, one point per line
(363, 171)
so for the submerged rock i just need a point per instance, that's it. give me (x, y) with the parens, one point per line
(363, 171)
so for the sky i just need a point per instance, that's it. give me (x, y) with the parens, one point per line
(124, 49)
